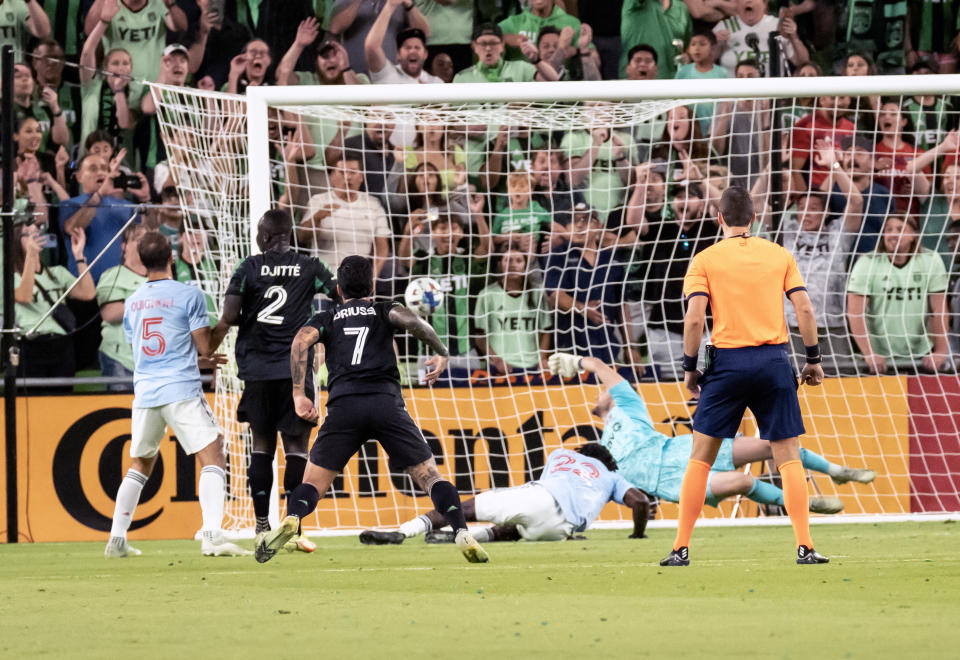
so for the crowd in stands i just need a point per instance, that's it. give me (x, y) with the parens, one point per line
(542, 240)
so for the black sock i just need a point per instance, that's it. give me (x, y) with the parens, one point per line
(302, 501)
(293, 473)
(446, 500)
(260, 478)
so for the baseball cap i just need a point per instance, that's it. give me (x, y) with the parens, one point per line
(176, 48)
(485, 29)
(582, 207)
(325, 47)
(411, 33)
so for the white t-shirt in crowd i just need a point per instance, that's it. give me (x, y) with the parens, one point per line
(737, 49)
(393, 74)
(349, 229)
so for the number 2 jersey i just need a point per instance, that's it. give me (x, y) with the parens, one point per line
(358, 339)
(158, 320)
(581, 486)
(277, 290)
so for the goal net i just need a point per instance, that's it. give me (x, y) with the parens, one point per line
(562, 218)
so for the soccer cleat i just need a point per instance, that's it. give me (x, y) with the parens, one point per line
(270, 543)
(860, 475)
(301, 543)
(679, 557)
(376, 537)
(117, 547)
(223, 549)
(825, 505)
(807, 555)
(470, 548)
(439, 536)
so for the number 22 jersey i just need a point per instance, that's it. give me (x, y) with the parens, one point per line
(158, 320)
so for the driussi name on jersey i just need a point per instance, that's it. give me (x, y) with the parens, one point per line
(354, 311)
(280, 271)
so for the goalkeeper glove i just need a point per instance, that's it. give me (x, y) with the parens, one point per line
(565, 365)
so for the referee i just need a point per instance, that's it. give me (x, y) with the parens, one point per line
(743, 279)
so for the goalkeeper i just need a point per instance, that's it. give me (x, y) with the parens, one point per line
(655, 462)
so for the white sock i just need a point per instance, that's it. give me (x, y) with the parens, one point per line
(211, 492)
(127, 497)
(483, 535)
(416, 527)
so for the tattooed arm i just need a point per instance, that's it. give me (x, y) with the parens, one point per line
(299, 350)
(403, 318)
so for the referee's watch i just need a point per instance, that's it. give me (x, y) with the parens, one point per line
(689, 362)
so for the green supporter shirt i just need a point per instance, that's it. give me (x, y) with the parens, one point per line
(505, 71)
(512, 324)
(13, 27)
(459, 277)
(703, 111)
(531, 219)
(898, 300)
(936, 219)
(98, 110)
(66, 25)
(528, 24)
(646, 22)
(450, 23)
(116, 285)
(54, 280)
(143, 34)
(604, 190)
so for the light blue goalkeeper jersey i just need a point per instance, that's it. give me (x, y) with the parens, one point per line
(636, 445)
(157, 321)
(581, 486)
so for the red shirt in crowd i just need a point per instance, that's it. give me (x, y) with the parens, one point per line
(900, 186)
(815, 127)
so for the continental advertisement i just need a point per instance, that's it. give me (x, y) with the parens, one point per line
(73, 451)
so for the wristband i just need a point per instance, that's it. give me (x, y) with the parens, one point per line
(813, 354)
(58, 113)
(579, 364)
(81, 261)
(689, 362)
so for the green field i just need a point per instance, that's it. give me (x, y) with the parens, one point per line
(891, 591)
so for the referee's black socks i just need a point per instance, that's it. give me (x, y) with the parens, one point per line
(446, 500)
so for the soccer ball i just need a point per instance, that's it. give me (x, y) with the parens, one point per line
(423, 295)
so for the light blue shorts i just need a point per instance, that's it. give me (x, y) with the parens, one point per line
(674, 464)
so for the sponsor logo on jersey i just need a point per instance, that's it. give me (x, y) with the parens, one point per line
(280, 271)
(354, 311)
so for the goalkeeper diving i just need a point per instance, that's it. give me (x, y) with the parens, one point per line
(651, 463)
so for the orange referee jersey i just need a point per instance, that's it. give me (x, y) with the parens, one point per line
(745, 279)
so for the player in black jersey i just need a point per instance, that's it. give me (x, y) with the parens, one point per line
(363, 402)
(270, 297)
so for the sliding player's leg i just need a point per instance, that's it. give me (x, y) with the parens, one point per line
(295, 462)
(147, 430)
(748, 449)
(423, 524)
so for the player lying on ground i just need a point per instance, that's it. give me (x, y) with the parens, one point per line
(269, 297)
(166, 323)
(364, 402)
(655, 462)
(567, 498)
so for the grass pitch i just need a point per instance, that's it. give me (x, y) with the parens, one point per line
(891, 590)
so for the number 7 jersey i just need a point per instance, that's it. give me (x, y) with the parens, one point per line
(276, 291)
(158, 320)
(358, 340)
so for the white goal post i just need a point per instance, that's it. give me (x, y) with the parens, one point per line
(490, 431)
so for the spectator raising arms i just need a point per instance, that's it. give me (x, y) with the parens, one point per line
(48, 351)
(139, 27)
(656, 23)
(21, 20)
(897, 302)
(352, 20)
(491, 67)
(410, 56)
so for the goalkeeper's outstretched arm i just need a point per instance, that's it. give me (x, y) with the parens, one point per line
(637, 500)
(568, 364)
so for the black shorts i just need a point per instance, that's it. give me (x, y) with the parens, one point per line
(354, 419)
(267, 405)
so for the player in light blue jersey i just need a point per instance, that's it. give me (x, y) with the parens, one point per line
(567, 498)
(166, 323)
(655, 462)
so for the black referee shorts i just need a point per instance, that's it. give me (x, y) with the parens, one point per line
(267, 405)
(760, 378)
(354, 419)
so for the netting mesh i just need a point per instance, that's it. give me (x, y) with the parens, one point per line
(569, 226)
